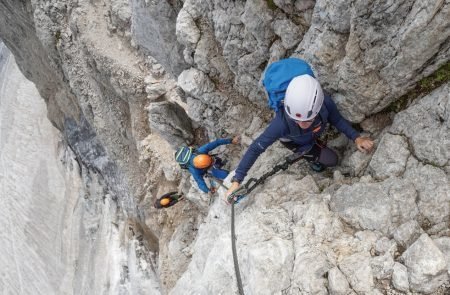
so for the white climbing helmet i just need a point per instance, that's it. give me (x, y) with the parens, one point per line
(304, 98)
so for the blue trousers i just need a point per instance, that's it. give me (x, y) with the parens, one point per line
(219, 173)
(216, 170)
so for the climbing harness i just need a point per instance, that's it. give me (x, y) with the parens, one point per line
(240, 193)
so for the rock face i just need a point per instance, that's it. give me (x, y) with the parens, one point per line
(427, 131)
(374, 51)
(171, 122)
(365, 206)
(357, 268)
(390, 158)
(343, 234)
(60, 224)
(153, 30)
(400, 277)
(125, 82)
(337, 282)
(427, 267)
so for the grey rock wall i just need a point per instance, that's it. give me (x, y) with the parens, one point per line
(153, 30)
(171, 122)
(364, 53)
(127, 81)
(79, 83)
(370, 53)
(361, 233)
(63, 229)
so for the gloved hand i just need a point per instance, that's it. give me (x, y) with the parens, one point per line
(234, 186)
(364, 144)
(212, 190)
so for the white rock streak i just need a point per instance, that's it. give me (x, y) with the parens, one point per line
(60, 233)
(32, 188)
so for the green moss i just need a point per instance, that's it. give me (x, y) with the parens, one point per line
(437, 78)
(436, 165)
(271, 4)
(424, 86)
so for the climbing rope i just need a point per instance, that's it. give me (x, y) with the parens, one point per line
(233, 240)
(240, 193)
(233, 249)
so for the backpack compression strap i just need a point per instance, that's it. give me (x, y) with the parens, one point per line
(186, 156)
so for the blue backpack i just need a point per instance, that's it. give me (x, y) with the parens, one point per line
(182, 156)
(279, 74)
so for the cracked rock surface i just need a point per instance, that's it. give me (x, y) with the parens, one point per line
(353, 235)
(125, 82)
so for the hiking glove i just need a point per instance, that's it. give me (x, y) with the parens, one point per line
(234, 186)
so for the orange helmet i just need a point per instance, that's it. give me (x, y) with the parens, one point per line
(164, 201)
(203, 161)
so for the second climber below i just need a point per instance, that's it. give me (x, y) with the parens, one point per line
(298, 126)
(201, 162)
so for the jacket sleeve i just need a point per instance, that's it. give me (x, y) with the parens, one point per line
(204, 149)
(199, 179)
(336, 119)
(273, 132)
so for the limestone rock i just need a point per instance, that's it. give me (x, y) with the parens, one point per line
(427, 267)
(356, 162)
(337, 282)
(433, 189)
(309, 270)
(171, 122)
(385, 245)
(187, 32)
(382, 266)
(444, 245)
(428, 131)
(289, 33)
(400, 277)
(364, 206)
(179, 243)
(120, 13)
(45, 179)
(155, 88)
(390, 157)
(403, 196)
(195, 83)
(358, 272)
(407, 233)
(89, 61)
(335, 39)
(153, 28)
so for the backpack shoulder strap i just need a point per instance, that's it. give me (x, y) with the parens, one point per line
(294, 130)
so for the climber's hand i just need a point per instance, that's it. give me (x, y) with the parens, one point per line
(364, 144)
(212, 190)
(234, 186)
(236, 139)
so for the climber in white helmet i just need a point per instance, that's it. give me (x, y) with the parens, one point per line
(304, 98)
(298, 126)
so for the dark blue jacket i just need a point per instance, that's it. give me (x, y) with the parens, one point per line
(284, 127)
(204, 149)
